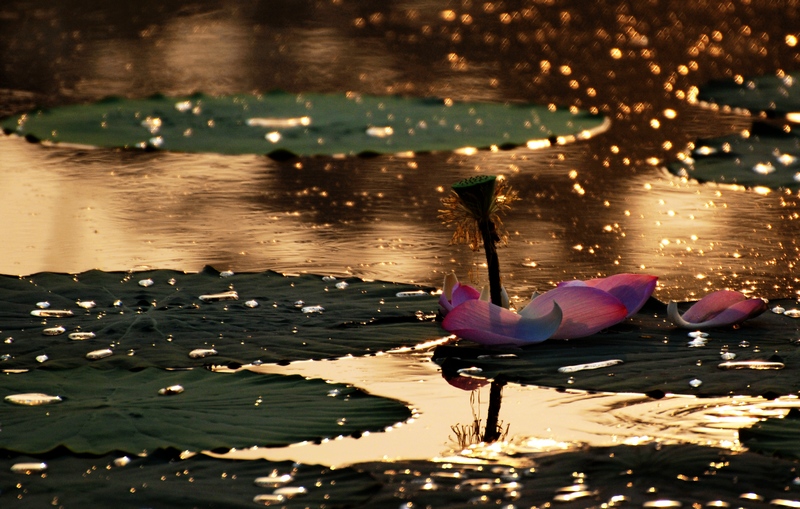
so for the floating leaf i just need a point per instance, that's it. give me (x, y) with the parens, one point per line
(778, 436)
(656, 358)
(106, 410)
(765, 156)
(166, 479)
(645, 476)
(284, 124)
(164, 323)
(777, 96)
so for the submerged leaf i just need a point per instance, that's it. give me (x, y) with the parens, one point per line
(300, 125)
(106, 410)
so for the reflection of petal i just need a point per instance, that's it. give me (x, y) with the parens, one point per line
(632, 290)
(466, 383)
(585, 310)
(717, 309)
(487, 324)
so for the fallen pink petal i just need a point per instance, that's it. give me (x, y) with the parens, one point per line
(574, 309)
(491, 325)
(632, 290)
(717, 309)
(586, 310)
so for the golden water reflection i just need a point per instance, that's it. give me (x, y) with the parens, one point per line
(70, 210)
(538, 419)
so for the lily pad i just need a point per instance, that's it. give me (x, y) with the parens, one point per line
(134, 411)
(765, 155)
(159, 318)
(775, 436)
(777, 96)
(645, 476)
(286, 125)
(647, 354)
(166, 479)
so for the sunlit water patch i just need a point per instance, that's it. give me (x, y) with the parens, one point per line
(448, 422)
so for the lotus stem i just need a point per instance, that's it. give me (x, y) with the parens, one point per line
(490, 238)
(475, 206)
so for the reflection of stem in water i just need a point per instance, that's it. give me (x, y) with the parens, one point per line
(466, 435)
(493, 427)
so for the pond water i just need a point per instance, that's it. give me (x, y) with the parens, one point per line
(596, 207)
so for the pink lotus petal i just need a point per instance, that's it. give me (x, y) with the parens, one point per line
(459, 294)
(712, 305)
(463, 293)
(487, 324)
(632, 290)
(574, 282)
(585, 310)
(444, 304)
(737, 313)
(739, 309)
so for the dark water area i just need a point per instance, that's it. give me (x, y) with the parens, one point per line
(595, 207)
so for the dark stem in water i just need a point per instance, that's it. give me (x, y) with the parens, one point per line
(493, 432)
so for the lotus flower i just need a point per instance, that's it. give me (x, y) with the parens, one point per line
(572, 310)
(454, 294)
(717, 309)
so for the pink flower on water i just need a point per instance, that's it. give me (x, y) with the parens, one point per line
(455, 294)
(717, 309)
(632, 290)
(572, 310)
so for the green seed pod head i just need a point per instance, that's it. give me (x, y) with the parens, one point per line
(477, 195)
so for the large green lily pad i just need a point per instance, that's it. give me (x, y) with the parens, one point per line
(285, 124)
(776, 96)
(778, 436)
(164, 479)
(109, 410)
(162, 324)
(654, 357)
(644, 476)
(766, 155)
